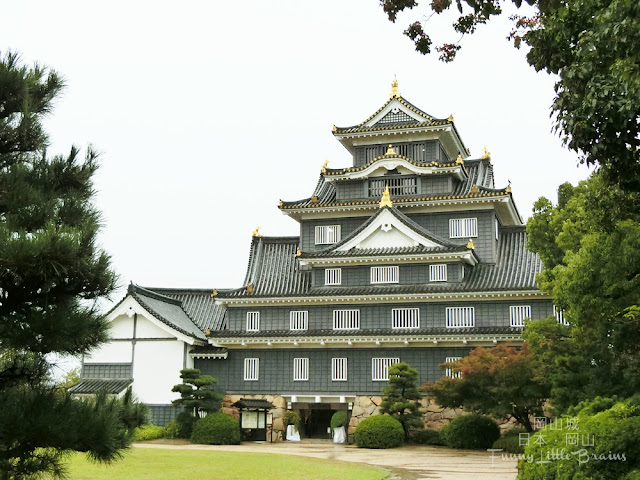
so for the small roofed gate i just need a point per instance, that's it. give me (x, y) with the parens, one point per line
(253, 418)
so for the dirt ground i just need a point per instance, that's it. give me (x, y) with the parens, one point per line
(407, 463)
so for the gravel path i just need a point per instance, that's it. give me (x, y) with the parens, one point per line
(408, 463)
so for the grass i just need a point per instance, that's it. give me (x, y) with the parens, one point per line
(161, 464)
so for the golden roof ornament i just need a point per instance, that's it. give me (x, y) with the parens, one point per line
(450, 119)
(391, 150)
(280, 204)
(486, 153)
(214, 293)
(256, 232)
(250, 288)
(474, 188)
(334, 129)
(314, 199)
(324, 166)
(207, 332)
(385, 201)
(394, 89)
(459, 160)
(298, 252)
(470, 244)
(508, 189)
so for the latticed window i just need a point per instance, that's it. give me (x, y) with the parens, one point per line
(332, 276)
(559, 314)
(346, 319)
(438, 272)
(384, 274)
(371, 153)
(380, 368)
(299, 320)
(405, 318)
(460, 317)
(327, 234)
(397, 186)
(300, 369)
(517, 314)
(449, 371)
(395, 116)
(339, 369)
(418, 152)
(253, 321)
(251, 368)
(463, 227)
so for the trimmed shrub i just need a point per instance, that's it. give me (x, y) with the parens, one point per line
(510, 441)
(180, 427)
(216, 429)
(339, 419)
(613, 433)
(472, 432)
(427, 437)
(291, 418)
(381, 431)
(147, 432)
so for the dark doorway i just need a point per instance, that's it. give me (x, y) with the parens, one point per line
(318, 423)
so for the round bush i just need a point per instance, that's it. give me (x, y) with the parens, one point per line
(216, 429)
(339, 419)
(472, 431)
(427, 437)
(381, 431)
(291, 418)
(180, 427)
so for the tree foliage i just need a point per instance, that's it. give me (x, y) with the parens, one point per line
(51, 275)
(593, 45)
(401, 398)
(196, 392)
(589, 242)
(500, 381)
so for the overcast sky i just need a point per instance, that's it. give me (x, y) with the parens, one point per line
(208, 112)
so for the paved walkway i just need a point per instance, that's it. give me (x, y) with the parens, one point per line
(408, 463)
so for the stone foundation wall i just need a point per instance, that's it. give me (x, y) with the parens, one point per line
(276, 431)
(435, 417)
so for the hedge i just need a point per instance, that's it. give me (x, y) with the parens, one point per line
(381, 431)
(216, 429)
(472, 432)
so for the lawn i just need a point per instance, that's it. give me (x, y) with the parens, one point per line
(160, 464)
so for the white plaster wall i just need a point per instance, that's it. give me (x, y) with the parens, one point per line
(121, 327)
(145, 328)
(392, 238)
(112, 352)
(156, 368)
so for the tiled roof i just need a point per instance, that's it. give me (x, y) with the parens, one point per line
(274, 272)
(341, 171)
(428, 120)
(93, 386)
(253, 404)
(199, 306)
(369, 332)
(166, 309)
(447, 245)
(479, 173)
(273, 269)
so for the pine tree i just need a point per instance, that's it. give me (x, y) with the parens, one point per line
(196, 392)
(402, 398)
(51, 275)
